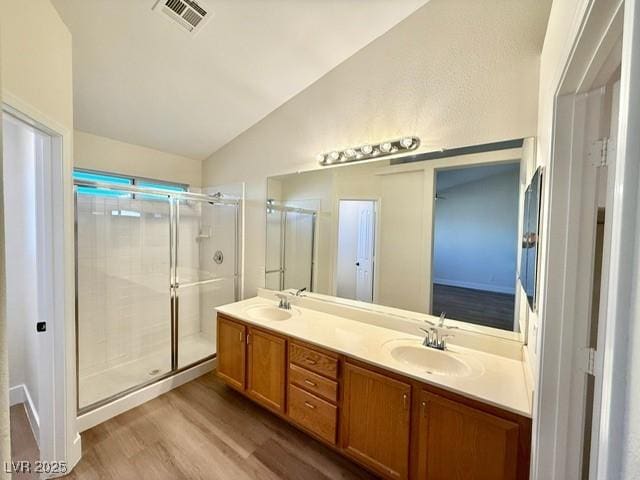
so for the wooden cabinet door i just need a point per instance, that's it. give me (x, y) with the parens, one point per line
(375, 421)
(266, 368)
(457, 441)
(231, 352)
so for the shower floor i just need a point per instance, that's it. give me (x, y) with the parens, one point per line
(112, 381)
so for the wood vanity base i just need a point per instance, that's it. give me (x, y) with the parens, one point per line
(397, 427)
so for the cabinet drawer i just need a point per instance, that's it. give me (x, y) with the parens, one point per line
(313, 413)
(311, 382)
(313, 360)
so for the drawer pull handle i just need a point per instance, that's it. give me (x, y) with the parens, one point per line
(311, 361)
(309, 405)
(310, 383)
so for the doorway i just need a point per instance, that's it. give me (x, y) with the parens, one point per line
(585, 270)
(356, 249)
(33, 223)
(475, 241)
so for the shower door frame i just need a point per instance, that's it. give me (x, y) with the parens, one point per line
(283, 242)
(173, 199)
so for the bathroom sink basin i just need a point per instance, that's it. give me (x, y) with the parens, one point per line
(414, 355)
(269, 313)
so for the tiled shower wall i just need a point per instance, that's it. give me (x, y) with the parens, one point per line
(123, 280)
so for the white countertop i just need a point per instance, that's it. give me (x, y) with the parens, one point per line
(496, 380)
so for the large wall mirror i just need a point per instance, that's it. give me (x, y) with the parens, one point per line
(437, 234)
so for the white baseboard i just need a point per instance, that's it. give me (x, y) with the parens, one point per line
(487, 287)
(20, 394)
(134, 399)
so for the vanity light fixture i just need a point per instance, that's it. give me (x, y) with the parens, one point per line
(367, 151)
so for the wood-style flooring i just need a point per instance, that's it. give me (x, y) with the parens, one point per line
(475, 306)
(205, 430)
(23, 444)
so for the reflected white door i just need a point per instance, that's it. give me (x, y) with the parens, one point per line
(356, 240)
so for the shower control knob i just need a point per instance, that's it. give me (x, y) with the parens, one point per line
(41, 327)
(218, 257)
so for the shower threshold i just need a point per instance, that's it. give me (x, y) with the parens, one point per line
(106, 385)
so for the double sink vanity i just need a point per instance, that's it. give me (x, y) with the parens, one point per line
(365, 384)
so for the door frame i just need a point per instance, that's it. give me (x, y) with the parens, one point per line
(473, 162)
(596, 27)
(59, 436)
(377, 220)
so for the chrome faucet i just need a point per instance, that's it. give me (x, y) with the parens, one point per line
(434, 339)
(440, 323)
(299, 291)
(284, 301)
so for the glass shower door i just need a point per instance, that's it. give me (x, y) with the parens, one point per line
(123, 250)
(274, 267)
(206, 274)
(299, 232)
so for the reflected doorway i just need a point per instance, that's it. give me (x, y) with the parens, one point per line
(475, 244)
(356, 245)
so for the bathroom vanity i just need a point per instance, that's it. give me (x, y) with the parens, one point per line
(375, 393)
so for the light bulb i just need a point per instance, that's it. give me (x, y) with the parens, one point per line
(350, 153)
(366, 149)
(385, 147)
(320, 158)
(406, 142)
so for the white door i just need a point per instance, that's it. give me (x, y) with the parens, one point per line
(364, 253)
(356, 240)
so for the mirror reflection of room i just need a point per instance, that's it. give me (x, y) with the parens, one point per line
(436, 233)
(475, 240)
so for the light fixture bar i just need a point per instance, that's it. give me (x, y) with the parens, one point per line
(369, 151)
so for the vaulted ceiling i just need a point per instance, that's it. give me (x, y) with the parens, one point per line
(139, 78)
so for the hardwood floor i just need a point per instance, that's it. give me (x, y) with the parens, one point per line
(23, 443)
(205, 430)
(475, 306)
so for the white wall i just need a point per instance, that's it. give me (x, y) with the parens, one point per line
(20, 248)
(476, 233)
(94, 152)
(37, 80)
(441, 74)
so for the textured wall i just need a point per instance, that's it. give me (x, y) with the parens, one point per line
(100, 153)
(457, 72)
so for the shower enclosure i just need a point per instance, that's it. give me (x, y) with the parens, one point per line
(290, 247)
(151, 266)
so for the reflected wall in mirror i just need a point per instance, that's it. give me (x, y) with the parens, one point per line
(475, 243)
(434, 233)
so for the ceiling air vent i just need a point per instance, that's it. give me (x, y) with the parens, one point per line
(190, 15)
